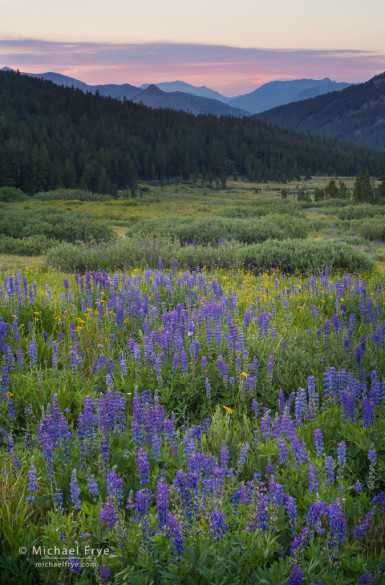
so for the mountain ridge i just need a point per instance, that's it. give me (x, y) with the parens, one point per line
(355, 114)
(265, 97)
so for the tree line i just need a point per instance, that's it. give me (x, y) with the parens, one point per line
(53, 137)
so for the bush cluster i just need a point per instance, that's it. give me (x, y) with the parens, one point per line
(210, 230)
(8, 194)
(361, 211)
(53, 224)
(288, 255)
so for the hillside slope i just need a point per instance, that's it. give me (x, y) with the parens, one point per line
(355, 114)
(52, 136)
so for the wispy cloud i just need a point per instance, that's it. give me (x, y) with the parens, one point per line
(231, 70)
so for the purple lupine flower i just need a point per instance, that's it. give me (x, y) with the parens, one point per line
(262, 514)
(296, 576)
(32, 483)
(368, 413)
(107, 513)
(365, 579)
(142, 503)
(74, 564)
(319, 443)
(372, 456)
(32, 352)
(58, 499)
(243, 456)
(282, 452)
(218, 524)
(225, 455)
(75, 491)
(115, 486)
(341, 454)
(363, 526)
(300, 404)
(93, 486)
(379, 499)
(358, 486)
(337, 524)
(105, 573)
(314, 514)
(208, 389)
(162, 502)
(265, 424)
(291, 510)
(312, 479)
(175, 532)
(329, 466)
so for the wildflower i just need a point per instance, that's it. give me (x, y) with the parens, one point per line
(329, 466)
(296, 576)
(107, 514)
(142, 503)
(176, 534)
(162, 502)
(243, 455)
(318, 441)
(105, 573)
(229, 410)
(312, 479)
(218, 524)
(32, 484)
(363, 526)
(75, 491)
(282, 452)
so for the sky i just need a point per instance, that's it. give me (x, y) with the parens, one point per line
(232, 47)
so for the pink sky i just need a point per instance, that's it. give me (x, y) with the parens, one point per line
(230, 70)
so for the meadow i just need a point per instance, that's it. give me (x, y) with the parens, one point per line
(179, 409)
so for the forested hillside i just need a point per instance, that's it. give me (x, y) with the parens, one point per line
(53, 136)
(355, 114)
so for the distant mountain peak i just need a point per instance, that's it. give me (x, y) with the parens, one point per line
(7, 69)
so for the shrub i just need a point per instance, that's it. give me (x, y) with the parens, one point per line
(373, 230)
(31, 246)
(54, 224)
(288, 255)
(210, 230)
(361, 211)
(8, 194)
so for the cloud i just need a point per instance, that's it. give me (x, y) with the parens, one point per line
(232, 70)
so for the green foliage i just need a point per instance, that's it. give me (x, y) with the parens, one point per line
(363, 190)
(210, 230)
(331, 190)
(292, 255)
(30, 246)
(361, 211)
(8, 194)
(53, 224)
(288, 255)
(373, 230)
(107, 145)
(303, 195)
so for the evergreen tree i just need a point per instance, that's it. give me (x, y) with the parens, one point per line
(363, 191)
(331, 190)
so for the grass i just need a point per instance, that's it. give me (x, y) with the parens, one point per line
(103, 371)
